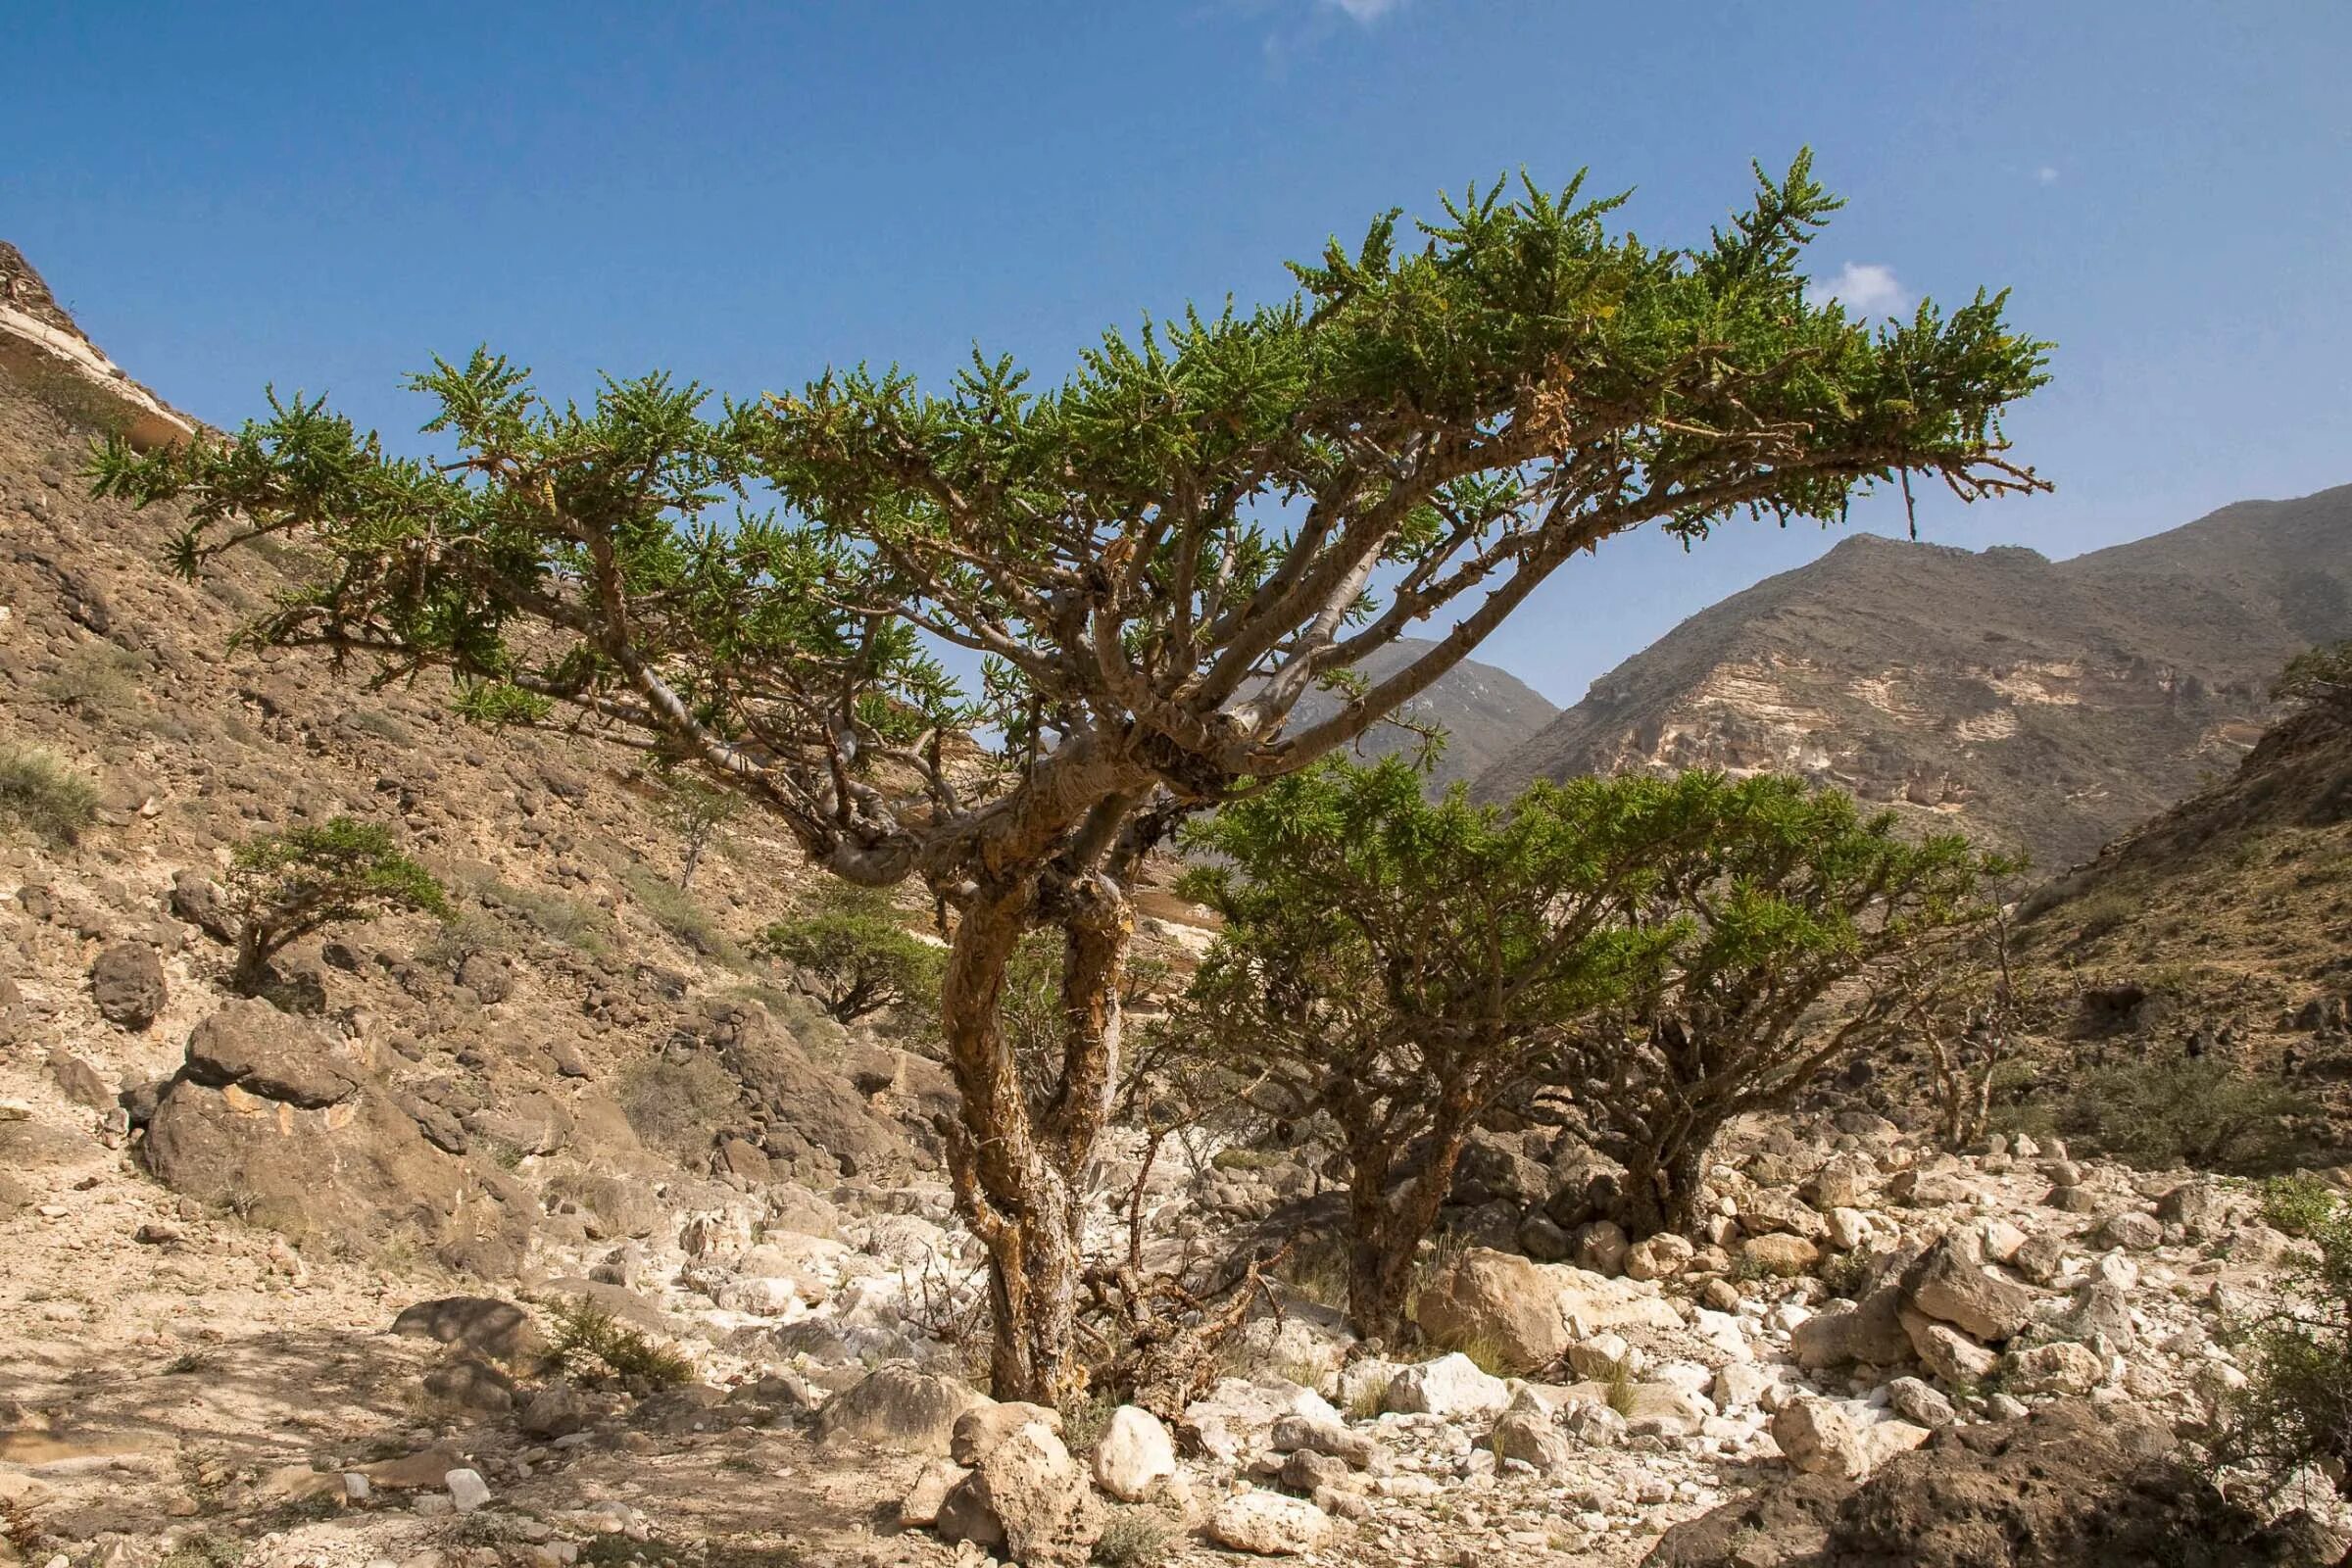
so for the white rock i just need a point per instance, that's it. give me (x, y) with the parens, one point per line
(466, 1489)
(1451, 1384)
(1269, 1524)
(1134, 1454)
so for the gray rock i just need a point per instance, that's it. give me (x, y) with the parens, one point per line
(898, 1407)
(128, 983)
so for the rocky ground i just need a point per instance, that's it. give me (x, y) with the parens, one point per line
(280, 1280)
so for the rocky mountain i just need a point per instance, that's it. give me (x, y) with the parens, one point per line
(2044, 705)
(2223, 922)
(1484, 713)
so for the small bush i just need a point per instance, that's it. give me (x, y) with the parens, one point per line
(675, 911)
(567, 920)
(97, 678)
(286, 886)
(591, 1344)
(2175, 1109)
(204, 1550)
(673, 1103)
(855, 954)
(39, 796)
(1132, 1538)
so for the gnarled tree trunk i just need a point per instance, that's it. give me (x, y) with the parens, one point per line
(1020, 1152)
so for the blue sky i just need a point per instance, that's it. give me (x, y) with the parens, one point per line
(324, 195)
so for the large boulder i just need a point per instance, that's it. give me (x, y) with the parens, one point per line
(1269, 1524)
(127, 984)
(1835, 1438)
(818, 1126)
(901, 1408)
(1235, 1418)
(1526, 1313)
(272, 1117)
(1870, 1330)
(1450, 1386)
(1134, 1454)
(2073, 1486)
(1952, 1283)
(1025, 1494)
(482, 1324)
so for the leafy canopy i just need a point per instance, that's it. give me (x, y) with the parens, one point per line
(855, 953)
(285, 886)
(1156, 558)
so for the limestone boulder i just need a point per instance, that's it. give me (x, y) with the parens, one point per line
(1134, 1454)
(900, 1407)
(1833, 1438)
(1268, 1524)
(1450, 1386)
(1952, 1283)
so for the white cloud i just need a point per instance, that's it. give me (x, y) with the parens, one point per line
(1366, 12)
(2045, 175)
(1866, 288)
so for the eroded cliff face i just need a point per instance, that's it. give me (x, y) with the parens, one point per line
(2042, 706)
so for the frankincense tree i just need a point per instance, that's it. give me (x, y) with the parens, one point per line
(1154, 559)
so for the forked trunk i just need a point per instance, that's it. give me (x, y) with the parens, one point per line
(1020, 1152)
(1386, 1230)
(1662, 1182)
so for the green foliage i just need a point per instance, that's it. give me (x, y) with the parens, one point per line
(285, 886)
(39, 794)
(2296, 1407)
(1133, 1538)
(1467, 404)
(571, 921)
(1154, 559)
(590, 1344)
(696, 812)
(2170, 1108)
(2319, 679)
(855, 954)
(2299, 1203)
(202, 1549)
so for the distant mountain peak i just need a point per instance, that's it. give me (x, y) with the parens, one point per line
(2042, 705)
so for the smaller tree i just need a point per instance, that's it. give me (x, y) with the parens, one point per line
(1396, 964)
(2319, 679)
(696, 812)
(1781, 925)
(1963, 998)
(854, 953)
(285, 886)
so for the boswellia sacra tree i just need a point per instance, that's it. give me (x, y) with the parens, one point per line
(1154, 560)
(1390, 967)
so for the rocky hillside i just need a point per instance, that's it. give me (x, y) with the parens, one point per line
(1484, 712)
(2048, 706)
(2223, 922)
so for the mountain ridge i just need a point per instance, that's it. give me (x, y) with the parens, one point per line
(2046, 705)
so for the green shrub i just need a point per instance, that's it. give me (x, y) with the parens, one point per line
(286, 886)
(855, 954)
(1132, 1538)
(2296, 1408)
(591, 1344)
(39, 794)
(673, 1103)
(2176, 1110)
